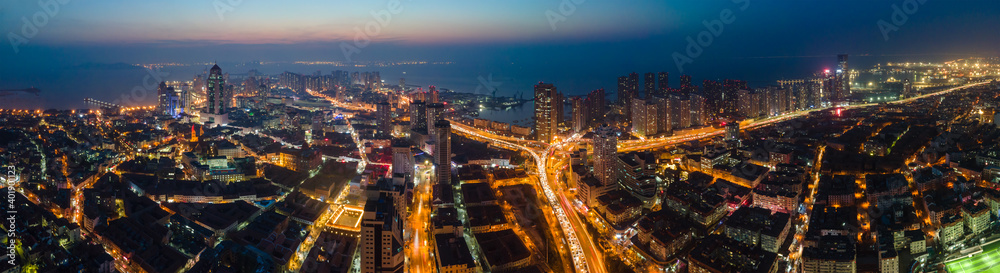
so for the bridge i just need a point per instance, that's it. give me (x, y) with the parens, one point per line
(102, 103)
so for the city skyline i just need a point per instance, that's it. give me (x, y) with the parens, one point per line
(527, 136)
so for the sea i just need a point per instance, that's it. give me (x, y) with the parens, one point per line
(66, 87)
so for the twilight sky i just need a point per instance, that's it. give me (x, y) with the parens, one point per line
(192, 30)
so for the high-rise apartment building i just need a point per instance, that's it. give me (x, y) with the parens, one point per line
(442, 151)
(663, 79)
(402, 158)
(547, 107)
(605, 144)
(650, 84)
(383, 114)
(644, 117)
(435, 112)
(418, 116)
(597, 105)
(382, 230)
(681, 114)
(580, 113)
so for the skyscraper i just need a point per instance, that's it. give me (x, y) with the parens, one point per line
(730, 96)
(383, 114)
(628, 89)
(167, 100)
(418, 116)
(843, 77)
(546, 111)
(713, 98)
(664, 83)
(644, 117)
(605, 144)
(686, 83)
(382, 230)
(650, 84)
(402, 157)
(681, 114)
(622, 89)
(697, 109)
(597, 105)
(435, 97)
(580, 113)
(219, 98)
(435, 112)
(665, 115)
(442, 151)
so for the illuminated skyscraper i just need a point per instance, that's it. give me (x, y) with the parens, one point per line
(435, 96)
(713, 98)
(402, 157)
(168, 100)
(383, 114)
(730, 96)
(442, 151)
(650, 84)
(219, 99)
(697, 109)
(546, 111)
(686, 83)
(681, 114)
(435, 112)
(597, 105)
(418, 116)
(382, 230)
(580, 113)
(605, 143)
(843, 77)
(663, 79)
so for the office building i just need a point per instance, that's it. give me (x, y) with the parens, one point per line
(547, 106)
(168, 100)
(219, 97)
